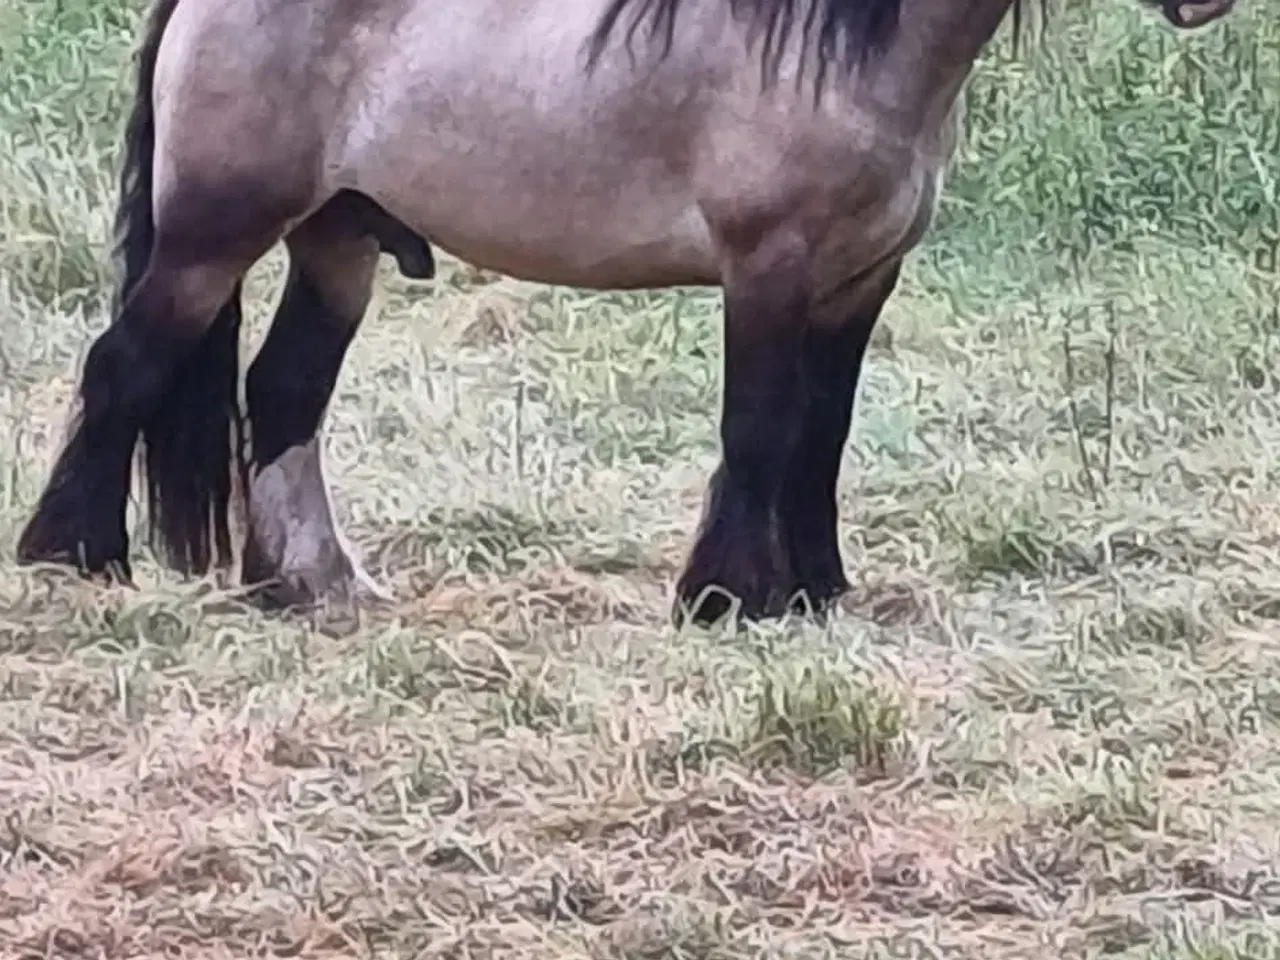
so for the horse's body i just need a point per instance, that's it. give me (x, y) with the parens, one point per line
(788, 151)
(512, 162)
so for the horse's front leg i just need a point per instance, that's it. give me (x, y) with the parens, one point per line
(741, 552)
(294, 550)
(834, 349)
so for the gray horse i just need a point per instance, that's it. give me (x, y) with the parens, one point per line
(788, 151)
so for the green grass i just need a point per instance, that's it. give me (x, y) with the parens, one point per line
(1044, 725)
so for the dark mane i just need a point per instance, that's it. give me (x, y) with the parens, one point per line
(840, 33)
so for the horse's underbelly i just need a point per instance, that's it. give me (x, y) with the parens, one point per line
(574, 239)
(576, 219)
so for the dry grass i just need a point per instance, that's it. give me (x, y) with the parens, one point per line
(1046, 724)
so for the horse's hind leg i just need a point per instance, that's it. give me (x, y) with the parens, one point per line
(164, 369)
(833, 355)
(293, 548)
(741, 550)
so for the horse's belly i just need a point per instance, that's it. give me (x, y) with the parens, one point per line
(572, 239)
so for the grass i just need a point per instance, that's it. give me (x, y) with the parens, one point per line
(1045, 723)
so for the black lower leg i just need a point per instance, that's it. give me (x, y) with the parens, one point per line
(293, 376)
(291, 381)
(80, 519)
(740, 552)
(833, 359)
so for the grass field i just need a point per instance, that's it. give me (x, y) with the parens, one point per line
(1046, 723)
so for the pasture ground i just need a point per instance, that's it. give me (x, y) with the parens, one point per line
(1045, 724)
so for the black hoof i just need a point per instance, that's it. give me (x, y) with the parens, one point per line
(80, 519)
(819, 601)
(275, 596)
(263, 588)
(107, 562)
(706, 602)
(819, 569)
(733, 574)
(737, 564)
(61, 533)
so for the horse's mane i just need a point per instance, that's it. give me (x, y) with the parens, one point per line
(843, 33)
(840, 33)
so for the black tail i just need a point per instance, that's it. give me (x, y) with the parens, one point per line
(188, 441)
(135, 216)
(190, 446)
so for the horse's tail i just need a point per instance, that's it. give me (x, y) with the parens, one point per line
(188, 441)
(135, 216)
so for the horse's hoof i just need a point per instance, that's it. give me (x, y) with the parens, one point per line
(700, 607)
(108, 566)
(703, 606)
(705, 602)
(309, 589)
(819, 601)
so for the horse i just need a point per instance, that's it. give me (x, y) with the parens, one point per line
(789, 152)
